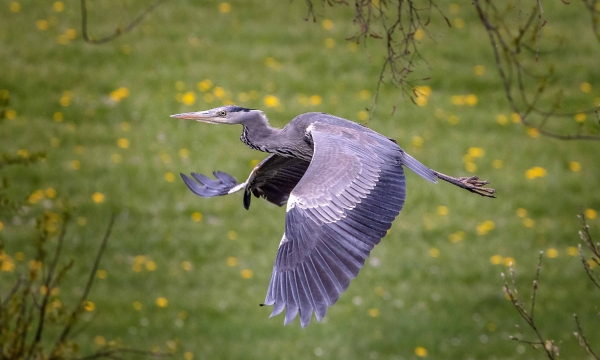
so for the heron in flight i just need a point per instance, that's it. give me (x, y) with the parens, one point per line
(344, 185)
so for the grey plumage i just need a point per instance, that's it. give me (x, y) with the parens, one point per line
(344, 185)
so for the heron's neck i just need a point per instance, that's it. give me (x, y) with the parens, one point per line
(259, 135)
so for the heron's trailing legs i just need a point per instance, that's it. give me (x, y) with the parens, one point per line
(472, 184)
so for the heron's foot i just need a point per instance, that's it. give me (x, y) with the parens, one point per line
(472, 184)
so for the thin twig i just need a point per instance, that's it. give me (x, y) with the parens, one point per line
(582, 339)
(118, 32)
(75, 313)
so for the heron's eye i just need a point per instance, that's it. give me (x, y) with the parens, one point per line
(222, 113)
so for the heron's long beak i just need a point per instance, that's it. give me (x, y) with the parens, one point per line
(202, 116)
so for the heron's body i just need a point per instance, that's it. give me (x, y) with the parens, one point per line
(344, 185)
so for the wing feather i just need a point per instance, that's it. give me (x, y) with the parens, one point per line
(342, 206)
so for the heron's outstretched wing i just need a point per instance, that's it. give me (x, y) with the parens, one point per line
(273, 179)
(341, 208)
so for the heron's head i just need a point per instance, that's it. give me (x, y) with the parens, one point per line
(229, 114)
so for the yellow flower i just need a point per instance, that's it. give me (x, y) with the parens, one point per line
(552, 253)
(457, 236)
(247, 274)
(591, 213)
(533, 132)
(442, 210)
(119, 94)
(327, 24)
(502, 119)
(315, 100)
(42, 25)
(15, 7)
(189, 98)
(572, 251)
(476, 152)
(471, 166)
(527, 222)
(1, 226)
(253, 163)
(574, 166)
(188, 355)
(89, 306)
(219, 92)
(186, 265)
(373, 312)
(184, 153)
(522, 213)
(364, 95)
(150, 265)
(496, 259)
(205, 85)
(508, 261)
(137, 305)
(58, 6)
(479, 70)
(419, 34)
(7, 265)
(36, 196)
(585, 87)
(71, 34)
(123, 143)
(471, 100)
(421, 351)
(58, 116)
(231, 261)
(535, 172)
(417, 141)
(101, 274)
(580, 117)
(271, 101)
(196, 216)
(485, 227)
(169, 177)
(224, 8)
(100, 340)
(363, 115)
(232, 235)
(23, 153)
(98, 197)
(329, 43)
(422, 94)
(162, 302)
(434, 253)
(50, 193)
(10, 114)
(516, 118)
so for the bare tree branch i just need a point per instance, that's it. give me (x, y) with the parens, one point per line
(119, 31)
(506, 49)
(550, 349)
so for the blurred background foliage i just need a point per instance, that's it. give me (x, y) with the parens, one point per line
(185, 275)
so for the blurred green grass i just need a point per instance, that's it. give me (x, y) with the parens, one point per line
(451, 303)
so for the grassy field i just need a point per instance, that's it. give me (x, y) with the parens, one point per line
(187, 274)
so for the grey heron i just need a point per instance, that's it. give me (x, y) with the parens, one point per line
(344, 185)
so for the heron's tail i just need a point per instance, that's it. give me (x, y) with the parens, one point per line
(421, 170)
